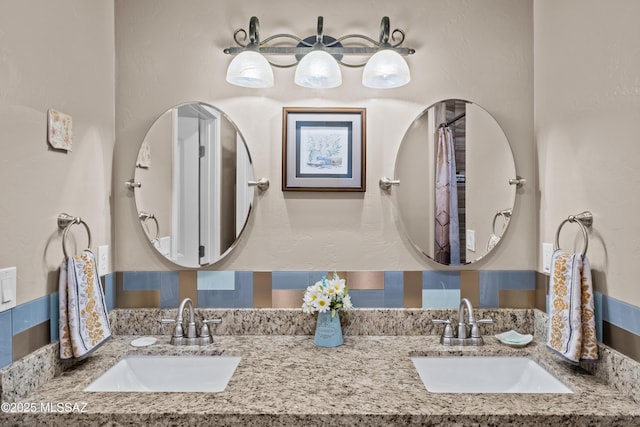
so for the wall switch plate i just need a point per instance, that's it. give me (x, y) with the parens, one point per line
(547, 253)
(7, 288)
(471, 240)
(103, 260)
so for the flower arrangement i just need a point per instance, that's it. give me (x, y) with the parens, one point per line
(327, 295)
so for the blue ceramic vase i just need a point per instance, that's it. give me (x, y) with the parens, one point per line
(328, 330)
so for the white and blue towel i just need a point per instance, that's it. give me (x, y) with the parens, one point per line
(572, 330)
(84, 324)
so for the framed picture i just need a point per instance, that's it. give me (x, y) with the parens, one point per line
(323, 149)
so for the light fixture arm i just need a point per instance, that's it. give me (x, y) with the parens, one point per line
(254, 31)
(253, 36)
(337, 47)
(384, 31)
(319, 32)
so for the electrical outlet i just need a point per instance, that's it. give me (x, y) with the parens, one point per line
(547, 253)
(471, 240)
(103, 260)
(7, 288)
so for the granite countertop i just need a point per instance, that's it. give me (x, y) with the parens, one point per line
(287, 380)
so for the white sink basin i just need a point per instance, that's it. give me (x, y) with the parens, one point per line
(478, 374)
(167, 374)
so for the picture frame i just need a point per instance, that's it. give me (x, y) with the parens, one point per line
(323, 149)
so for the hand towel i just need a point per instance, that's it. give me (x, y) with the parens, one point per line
(83, 323)
(572, 330)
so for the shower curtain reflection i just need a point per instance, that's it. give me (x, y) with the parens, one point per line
(447, 234)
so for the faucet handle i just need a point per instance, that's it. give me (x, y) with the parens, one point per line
(205, 334)
(448, 332)
(177, 332)
(475, 330)
(204, 331)
(165, 322)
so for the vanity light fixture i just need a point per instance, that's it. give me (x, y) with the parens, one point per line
(317, 57)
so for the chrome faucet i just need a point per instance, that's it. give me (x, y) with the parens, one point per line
(191, 337)
(468, 332)
(462, 327)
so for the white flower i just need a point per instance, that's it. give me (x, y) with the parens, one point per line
(322, 303)
(307, 307)
(310, 295)
(327, 295)
(346, 302)
(337, 286)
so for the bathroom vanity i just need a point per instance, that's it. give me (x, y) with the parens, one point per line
(284, 379)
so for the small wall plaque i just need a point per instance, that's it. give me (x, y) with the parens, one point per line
(59, 130)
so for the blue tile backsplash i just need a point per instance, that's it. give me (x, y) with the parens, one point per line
(110, 291)
(27, 315)
(216, 280)
(235, 289)
(621, 314)
(491, 282)
(440, 298)
(6, 338)
(441, 280)
(54, 311)
(291, 280)
(240, 297)
(394, 289)
(223, 289)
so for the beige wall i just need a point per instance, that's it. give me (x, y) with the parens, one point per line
(170, 52)
(156, 180)
(61, 55)
(586, 109)
(587, 114)
(57, 55)
(488, 175)
(415, 169)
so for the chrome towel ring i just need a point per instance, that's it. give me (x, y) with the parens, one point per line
(144, 217)
(506, 216)
(584, 220)
(65, 222)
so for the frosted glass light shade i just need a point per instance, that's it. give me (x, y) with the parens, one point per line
(250, 69)
(386, 69)
(318, 69)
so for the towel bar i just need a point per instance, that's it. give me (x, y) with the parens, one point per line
(65, 222)
(584, 220)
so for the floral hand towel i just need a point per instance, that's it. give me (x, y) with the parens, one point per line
(572, 331)
(83, 323)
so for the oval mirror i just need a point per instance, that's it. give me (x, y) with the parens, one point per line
(455, 198)
(194, 197)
